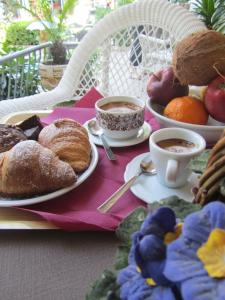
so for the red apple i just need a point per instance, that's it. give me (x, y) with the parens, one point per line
(163, 86)
(214, 99)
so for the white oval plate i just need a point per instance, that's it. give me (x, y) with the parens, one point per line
(143, 135)
(9, 202)
(148, 188)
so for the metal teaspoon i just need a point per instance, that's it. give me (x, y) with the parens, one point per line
(146, 167)
(96, 130)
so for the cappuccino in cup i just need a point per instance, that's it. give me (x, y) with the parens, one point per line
(120, 117)
(120, 107)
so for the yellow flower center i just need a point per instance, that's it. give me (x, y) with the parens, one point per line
(138, 269)
(150, 282)
(171, 236)
(212, 254)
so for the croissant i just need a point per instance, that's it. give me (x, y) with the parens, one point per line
(30, 169)
(69, 140)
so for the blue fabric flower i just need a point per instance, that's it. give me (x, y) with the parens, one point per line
(149, 248)
(161, 221)
(134, 287)
(147, 260)
(183, 264)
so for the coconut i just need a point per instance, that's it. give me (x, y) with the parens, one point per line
(199, 58)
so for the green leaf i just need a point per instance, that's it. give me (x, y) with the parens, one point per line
(131, 224)
(17, 36)
(212, 13)
(205, 8)
(199, 163)
(67, 8)
(57, 31)
(218, 20)
(181, 207)
(47, 17)
(45, 7)
(122, 256)
(210, 7)
(105, 288)
(65, 103)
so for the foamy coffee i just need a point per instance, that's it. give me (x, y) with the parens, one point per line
(120, 107)
(176, 145)
(120, 117)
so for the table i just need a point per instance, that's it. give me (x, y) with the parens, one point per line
(48, 264)
(52, 264)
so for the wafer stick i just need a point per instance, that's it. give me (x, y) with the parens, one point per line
(212, 180)
(211, 169)
(218, 147)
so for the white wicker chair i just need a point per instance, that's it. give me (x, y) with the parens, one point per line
(113, 56)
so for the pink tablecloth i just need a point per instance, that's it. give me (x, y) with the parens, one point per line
(76, 210)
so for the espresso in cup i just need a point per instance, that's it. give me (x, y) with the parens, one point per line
(176, 145)
(120, 117)
(171, 150)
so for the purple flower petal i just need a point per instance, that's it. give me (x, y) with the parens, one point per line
(221, 290)
(198, 226)
(150, 256)
(152, 248)
(162, 293)
(156, 269)
(216, 212)
(126, 274)
(182, 262)
(134, 287)
(163, 217)
(140, 290)
(200, 288)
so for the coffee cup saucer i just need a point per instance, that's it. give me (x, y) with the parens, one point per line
(149, 189)
(142, 135)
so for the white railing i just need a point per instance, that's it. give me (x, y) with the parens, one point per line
(19, 71)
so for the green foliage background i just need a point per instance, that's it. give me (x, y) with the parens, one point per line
(19, 37)
(212, 13)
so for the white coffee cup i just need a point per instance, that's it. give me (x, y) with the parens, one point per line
(121, 122)
(172, 167)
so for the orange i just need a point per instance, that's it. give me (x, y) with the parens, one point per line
(187, 109)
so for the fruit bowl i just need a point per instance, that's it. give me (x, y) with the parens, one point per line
(211, 131)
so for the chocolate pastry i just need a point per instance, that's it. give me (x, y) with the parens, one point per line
(9, 136)
(31, 127)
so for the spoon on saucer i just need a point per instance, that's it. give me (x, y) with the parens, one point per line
(146, 168)
(96, 130)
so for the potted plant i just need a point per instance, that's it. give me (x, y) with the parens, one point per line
(212, 13)
(53, 23)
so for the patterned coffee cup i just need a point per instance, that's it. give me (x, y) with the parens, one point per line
(120, 117)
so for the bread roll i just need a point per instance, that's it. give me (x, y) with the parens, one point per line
(69, 140)
(30, 169)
